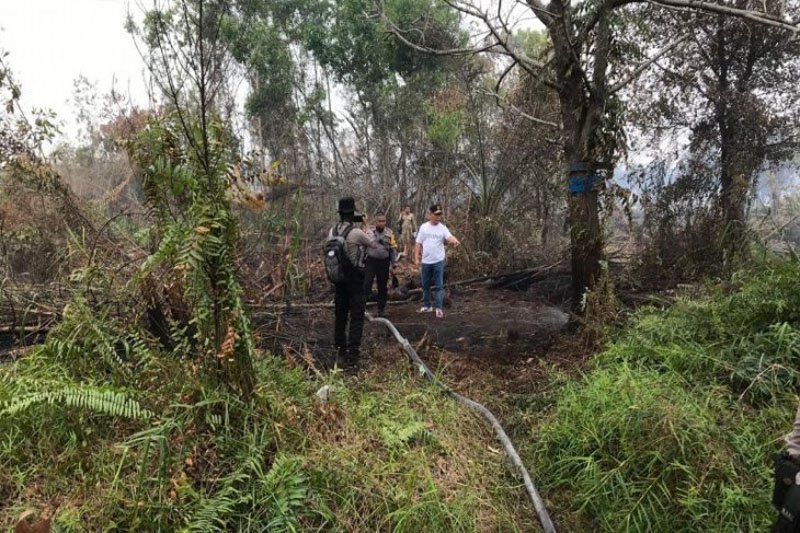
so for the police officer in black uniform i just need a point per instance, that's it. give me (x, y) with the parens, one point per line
(350, 300)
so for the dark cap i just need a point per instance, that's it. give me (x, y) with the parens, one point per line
(347, 205)
(436, 209)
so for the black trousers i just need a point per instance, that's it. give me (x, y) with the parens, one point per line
(349, 302)
(377, 268)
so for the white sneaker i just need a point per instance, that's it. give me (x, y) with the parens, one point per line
(424, 309)
(439, 313)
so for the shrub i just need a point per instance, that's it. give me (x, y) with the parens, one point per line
(748, 340)
(674, 427)
(635, 450)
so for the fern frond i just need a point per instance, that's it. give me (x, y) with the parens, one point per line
(101, 401)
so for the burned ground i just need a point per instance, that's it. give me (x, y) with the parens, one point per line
(491, 341)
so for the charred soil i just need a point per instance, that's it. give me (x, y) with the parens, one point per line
(492, 341)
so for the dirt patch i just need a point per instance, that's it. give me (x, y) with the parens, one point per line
(490, 342)
(12, 346)
(481, 321)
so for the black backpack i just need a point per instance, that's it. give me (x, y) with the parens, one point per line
(337, 263)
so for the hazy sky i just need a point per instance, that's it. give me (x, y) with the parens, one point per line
(52, 42)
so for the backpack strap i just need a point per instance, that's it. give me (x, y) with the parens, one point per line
(347, 231)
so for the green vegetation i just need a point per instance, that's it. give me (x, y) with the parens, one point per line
(149, 408)
(142, 250)
(173, 453)
(673, 428)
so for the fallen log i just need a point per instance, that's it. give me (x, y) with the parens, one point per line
(498, 280)
(320, 305)
(14, 330)
(501, 281)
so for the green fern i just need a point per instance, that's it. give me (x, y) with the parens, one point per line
(107, 402)
(198, 237)
(90, 342)
(214, 513)
(398, 436)
(254, 498)
(286, 488)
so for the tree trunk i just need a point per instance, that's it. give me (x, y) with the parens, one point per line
(582, 105)
(733, 198)
(738, 163)
(586, 240)
(774, 194)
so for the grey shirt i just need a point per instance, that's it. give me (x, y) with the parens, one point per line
(357, 243)
(385, 244)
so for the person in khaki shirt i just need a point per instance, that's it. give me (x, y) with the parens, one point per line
(408, 230)
(349, 299)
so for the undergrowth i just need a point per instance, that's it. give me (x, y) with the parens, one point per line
(172, 451)
(149, 407)
(673, 427)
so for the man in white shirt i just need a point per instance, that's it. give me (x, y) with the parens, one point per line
(429, 252)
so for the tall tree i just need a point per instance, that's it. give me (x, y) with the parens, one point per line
(734, 88)
(592, 59)
(268, 40)
(390, 82)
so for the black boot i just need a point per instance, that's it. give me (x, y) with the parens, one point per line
(341, 357)
(351, 362)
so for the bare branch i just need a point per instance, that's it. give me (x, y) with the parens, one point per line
(541, 12)
(529, 64)
(397, 32)
(503, 75)
(646, 64)
(600, 11)
(499, 46)
(170, 88)
(755, 16)
(501, 101)
(506, 29)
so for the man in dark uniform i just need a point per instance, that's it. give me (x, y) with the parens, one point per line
(786, 493)
(350, 300)
(380, 260)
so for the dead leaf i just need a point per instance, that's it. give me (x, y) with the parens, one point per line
(228, 344)
(40, 526)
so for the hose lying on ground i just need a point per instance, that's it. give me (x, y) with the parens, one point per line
(538, 504)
